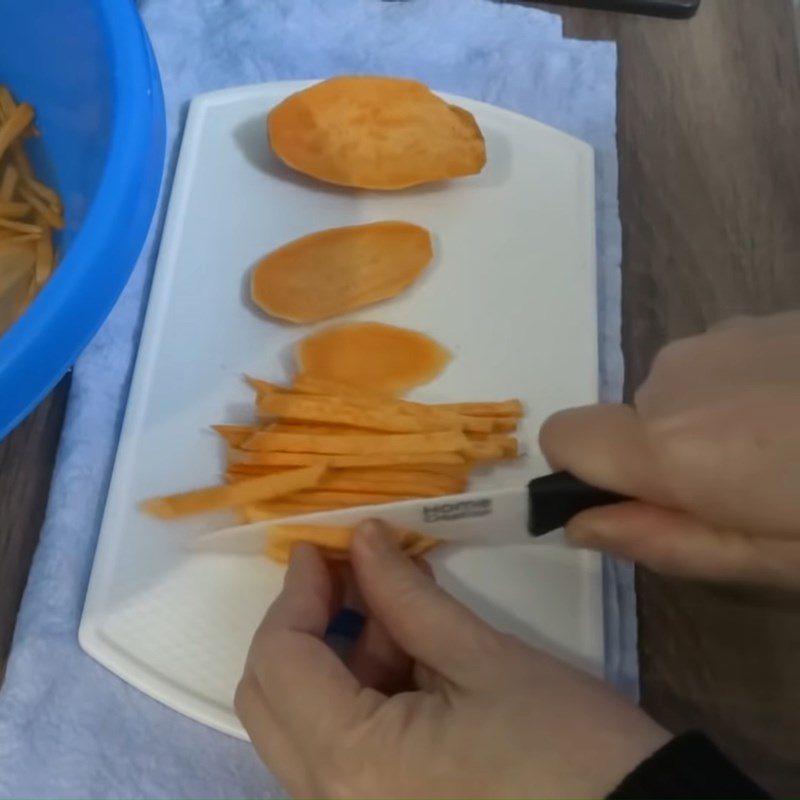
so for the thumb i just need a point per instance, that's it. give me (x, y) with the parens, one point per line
(425, 621)
(607, 446)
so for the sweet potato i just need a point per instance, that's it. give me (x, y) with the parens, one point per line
(340, 411)
(375, 133)
(217, 497)
(372, 356)
(398, 487)
(234, 435)
(262, 386)
(29, 211)
(389, 480)
(331, 272)
(413, 460)
(325, 499)
(306, 384)
(334, 541)
(14, 126)
(356, 443)
(502, 408)
(16, 275)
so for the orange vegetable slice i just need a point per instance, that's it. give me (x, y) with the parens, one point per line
(266, 487)
(375, 133)
(334, 541)
(335, 271)
(357, 444)
(372, 356)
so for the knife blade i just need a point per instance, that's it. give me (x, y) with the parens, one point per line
(498, 517)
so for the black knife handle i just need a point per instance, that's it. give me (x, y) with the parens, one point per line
(555, 499)
(675, 9)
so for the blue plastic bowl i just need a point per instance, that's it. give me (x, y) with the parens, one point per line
(87, 67)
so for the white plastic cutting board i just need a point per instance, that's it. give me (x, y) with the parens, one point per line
(511, 292)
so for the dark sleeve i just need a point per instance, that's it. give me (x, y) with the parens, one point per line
(689, 767)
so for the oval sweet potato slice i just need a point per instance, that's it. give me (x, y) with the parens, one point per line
(372, 356)
(335, 271)
(375, 133)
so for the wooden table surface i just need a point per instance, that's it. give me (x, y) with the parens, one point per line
(709, 140)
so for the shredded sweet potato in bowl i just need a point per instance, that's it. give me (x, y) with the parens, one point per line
(29, 213)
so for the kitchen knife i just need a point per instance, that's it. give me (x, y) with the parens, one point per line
(502, 516)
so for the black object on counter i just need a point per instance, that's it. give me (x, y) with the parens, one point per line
(676, 9)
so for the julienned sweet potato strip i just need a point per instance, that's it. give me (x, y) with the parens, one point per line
(398, 488)
(414, 460)
(50, 196)
(8, 182)
(235, 434)
(308, 384)
(13, 210)
(14, 126)
(390, 474)
(508, 444)
(262, 386)
(7, 104)
(53, 219)
(254, 512)
(502, 424)
(45, 259)
(21, 227)
(18, 238)
(357, 444)
(313, 429)
(504, 408)
(380, 479)
(461, 470)
(21, 161)
(334, 541)
(331, 410)
(218, 497)
(15, 277)
(345, 499)
(433, 419)
(485, 451)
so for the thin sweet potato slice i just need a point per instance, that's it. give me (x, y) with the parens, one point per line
(333, 541)
(375, 133)
(331, 272)
(372, 356)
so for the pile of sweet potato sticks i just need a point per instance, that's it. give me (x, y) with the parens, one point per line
(321, 446)
(339, 436)
(29, 212)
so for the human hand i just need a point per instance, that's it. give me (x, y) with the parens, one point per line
(711, 451)
(431, 702)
